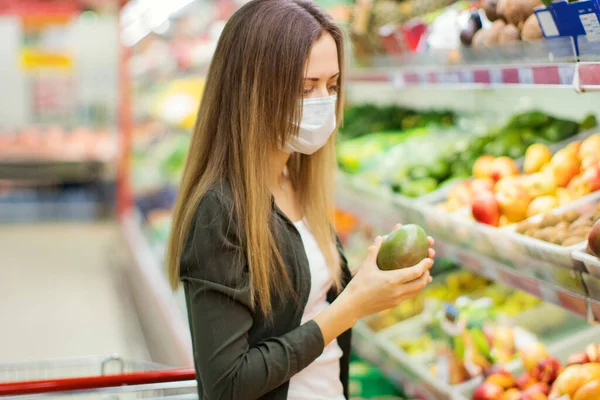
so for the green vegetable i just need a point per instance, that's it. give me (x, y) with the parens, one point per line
(588, 122)
(418, 188)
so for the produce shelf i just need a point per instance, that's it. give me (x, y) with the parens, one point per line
(551, 62)
(482, 249)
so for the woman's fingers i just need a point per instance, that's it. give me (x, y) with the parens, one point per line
(431, 241)
(411, 273)
(373, 250)
(409, 289)
(431, 253)
(398, 226)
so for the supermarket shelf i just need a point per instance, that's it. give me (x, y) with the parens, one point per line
(53, 171)
(578, 76)
(485, 250)
(473, 76)
(550, 62)
(165, 325)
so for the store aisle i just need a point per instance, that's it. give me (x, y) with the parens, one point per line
(61, 294)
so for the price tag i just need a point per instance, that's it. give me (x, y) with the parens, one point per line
(591, 25)
(526, 76)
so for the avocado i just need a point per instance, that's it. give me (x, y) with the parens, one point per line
(403, 248)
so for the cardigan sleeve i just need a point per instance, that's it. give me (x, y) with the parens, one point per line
(215, 278)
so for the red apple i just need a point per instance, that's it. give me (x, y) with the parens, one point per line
(524, 381)
(488, 391)
(502, 167)
(485, 209)
(546, 370)
(483, 166)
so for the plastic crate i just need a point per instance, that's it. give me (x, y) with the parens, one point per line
(536, 249)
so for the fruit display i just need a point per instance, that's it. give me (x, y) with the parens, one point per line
(57, 143)
(419, 160)
(566, 229)
(459, 340)
(470, 340)
(442, 289)
(544, 377)
(502, 194)
(403, 248)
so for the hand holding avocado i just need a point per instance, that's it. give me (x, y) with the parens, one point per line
(373, 289)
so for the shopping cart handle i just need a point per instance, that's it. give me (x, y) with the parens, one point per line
(96, 382)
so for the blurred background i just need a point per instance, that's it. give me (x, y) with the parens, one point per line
(474, 119)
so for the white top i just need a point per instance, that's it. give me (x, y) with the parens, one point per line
(321, 379)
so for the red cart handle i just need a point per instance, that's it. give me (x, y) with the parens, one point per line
(96, 382)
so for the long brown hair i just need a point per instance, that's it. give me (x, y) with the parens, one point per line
(252, 93)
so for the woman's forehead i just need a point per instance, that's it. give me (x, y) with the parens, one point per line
(323, 59)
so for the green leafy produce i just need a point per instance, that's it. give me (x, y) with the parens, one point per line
(414, 164)
(360, 120)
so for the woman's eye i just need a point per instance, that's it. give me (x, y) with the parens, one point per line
(308, 91)
(333, 89)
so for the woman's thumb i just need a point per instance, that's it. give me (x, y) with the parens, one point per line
(374, 250)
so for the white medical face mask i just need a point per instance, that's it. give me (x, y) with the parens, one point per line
(316, 126)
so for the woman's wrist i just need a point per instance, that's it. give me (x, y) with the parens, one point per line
(340, 316)
(348, 301)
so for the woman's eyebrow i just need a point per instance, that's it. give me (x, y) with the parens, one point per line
(317, 79)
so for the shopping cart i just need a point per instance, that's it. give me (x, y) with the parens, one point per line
(107, 378)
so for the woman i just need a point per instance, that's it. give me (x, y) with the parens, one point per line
(252, 240)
